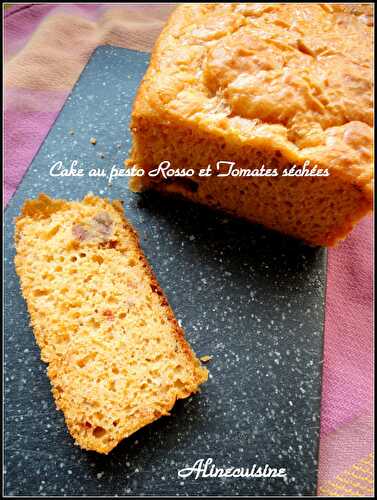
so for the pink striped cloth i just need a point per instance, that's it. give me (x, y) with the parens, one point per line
(46, 47)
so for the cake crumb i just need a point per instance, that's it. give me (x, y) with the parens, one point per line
(95, 234)
(206, 358)
(93, 140)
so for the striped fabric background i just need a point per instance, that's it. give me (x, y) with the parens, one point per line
(46, 47)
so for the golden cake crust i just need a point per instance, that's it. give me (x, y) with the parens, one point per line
(290, 77)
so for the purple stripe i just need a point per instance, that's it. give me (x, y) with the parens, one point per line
(24, 132)
(17, 8)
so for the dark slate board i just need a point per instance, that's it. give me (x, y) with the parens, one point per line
(250, 298)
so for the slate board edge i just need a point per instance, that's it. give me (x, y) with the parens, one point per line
(45, 139)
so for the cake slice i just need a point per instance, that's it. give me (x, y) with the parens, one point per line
(117, 358)
(273, 85)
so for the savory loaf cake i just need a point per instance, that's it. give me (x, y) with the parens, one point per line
(117, 358)
(263, 84)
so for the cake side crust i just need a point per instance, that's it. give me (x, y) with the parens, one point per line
(319, 210)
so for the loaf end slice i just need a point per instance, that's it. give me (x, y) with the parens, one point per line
(117, 358)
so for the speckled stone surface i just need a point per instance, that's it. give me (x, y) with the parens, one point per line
(250, 298)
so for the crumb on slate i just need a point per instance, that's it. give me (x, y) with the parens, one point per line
(206, 358)
(93, 140)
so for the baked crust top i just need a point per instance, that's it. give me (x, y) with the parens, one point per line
(293, 77)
